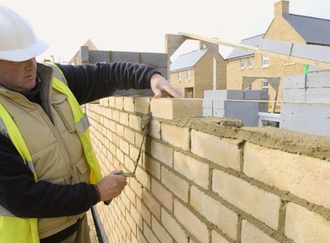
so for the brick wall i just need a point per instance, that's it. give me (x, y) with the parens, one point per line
(209, 179)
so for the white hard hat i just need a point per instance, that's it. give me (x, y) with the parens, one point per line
(18, 41)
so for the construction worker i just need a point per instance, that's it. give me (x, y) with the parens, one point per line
(49, 176)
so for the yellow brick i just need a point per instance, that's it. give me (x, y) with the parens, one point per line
(305, 177)
(177, 185)
(149, 235)
(160, 231)
(194, 225)
(193, 169)
(176, 136)
(162, 194)
(252, 200)
(168, 108)
(222, 151)
(143, 211)
(151, 203)
(129, 104)
(302, 225)
(217, 238)
(251, 233)
(225, 219)
(173, 227)
(162, 152)
(142, 105)
(119, 102)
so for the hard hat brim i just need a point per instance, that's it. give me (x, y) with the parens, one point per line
(21, 55)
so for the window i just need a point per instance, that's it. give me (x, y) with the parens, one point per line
(265, 61)
(264, 85)
(242, 64)
(250, 62)
(188, 75)
(179, 76)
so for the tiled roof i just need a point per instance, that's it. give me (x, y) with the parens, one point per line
(252, 41)
(313, 30)
(187, 60)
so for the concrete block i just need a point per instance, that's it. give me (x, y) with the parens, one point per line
(310, 111)
(294, 82)
(318, 95)
(294, 95)
(99, 56)
(207, 107)
(309, 125)
(156, 60)
(255, 95)
(247, 112)
(218, 108)
(318, 80)
(120, 56)
(224, 94)
(168, 108)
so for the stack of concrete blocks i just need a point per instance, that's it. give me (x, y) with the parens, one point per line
(235, 104)
(306, 103)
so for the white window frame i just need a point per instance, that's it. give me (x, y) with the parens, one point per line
(250, 62)
(265, 61)
(242, 63)
(188, 75)
(179, 76)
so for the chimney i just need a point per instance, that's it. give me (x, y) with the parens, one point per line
(281, 7)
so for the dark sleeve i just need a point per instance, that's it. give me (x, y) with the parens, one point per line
(95, 81)
(21, 196)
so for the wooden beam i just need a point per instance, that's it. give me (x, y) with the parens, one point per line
(300, 59)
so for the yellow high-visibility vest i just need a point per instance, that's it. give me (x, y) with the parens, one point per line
(28, 228)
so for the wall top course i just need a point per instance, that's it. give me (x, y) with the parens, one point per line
(271, 137)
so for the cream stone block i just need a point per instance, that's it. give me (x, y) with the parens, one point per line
(177, 136)
(175, 184)
(302, 225)
(169, 108)
(250, 233)
(249, 198)
(191, 168)
(219, 215)
(305, 177)
(222, 151)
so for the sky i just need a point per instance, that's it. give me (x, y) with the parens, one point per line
(141, 25)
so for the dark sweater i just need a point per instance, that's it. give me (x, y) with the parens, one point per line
(18, 191)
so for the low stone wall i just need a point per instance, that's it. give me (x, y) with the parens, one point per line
(209, 179)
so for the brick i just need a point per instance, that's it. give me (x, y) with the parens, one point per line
(129, 104)
(249, 198)
(149, 235)
(154, 129)
(304, 177)
(224, 152)
(168, 108)
(162, 194)
(173, 227)
(194, 225)
(143, 211)
(119, 102)
(302, 225)
(123, 116)
(124, 146)
(193, 169)
(151, 204)
(142, 177)
(176, 136)
(175, 184)
(160, 231)
(152, 167)
(142, 105)
(250, 233)
(136, 187)
(225, 219)
(217, 238)
(162, 152)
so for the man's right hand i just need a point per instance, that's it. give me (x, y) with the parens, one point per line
(111, 185)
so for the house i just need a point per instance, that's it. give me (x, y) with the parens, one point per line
(192, 73)
(284, 27)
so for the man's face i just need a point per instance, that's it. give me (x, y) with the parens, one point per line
(18, 76)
